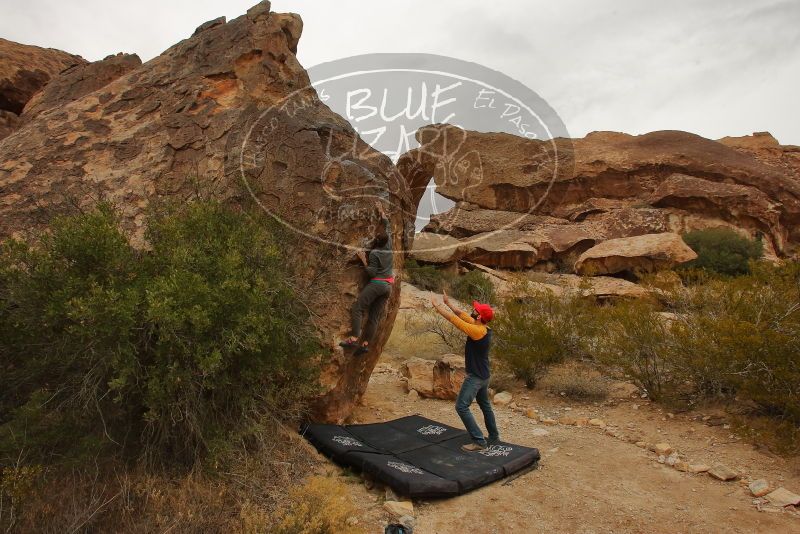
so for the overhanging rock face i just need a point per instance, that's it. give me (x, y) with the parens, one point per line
(617, 186)
(25, 69)
(227, 113)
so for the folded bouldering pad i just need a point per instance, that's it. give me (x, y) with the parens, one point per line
(418, 457)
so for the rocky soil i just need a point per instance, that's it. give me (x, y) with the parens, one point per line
(605, 467)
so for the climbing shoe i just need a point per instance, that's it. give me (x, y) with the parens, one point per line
(473, 447)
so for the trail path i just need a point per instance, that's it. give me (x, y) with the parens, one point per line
(589, 480)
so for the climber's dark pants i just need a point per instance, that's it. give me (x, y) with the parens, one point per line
(373, 298)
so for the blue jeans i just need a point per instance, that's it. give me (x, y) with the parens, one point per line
(475, 388)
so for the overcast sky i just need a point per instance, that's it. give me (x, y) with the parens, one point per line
(711, 67)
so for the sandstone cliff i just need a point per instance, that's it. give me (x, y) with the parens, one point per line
(226, 113)
(515, 208)
(24, 70)
(79, 80)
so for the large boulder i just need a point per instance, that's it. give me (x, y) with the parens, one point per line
(435, 379)
(465, 220)
(508, 240)
(437, 248)
(610, 185)
(599, 287)
(644, 253)
(25, 69)
(79, 80)
(228, 113)
(766, 149)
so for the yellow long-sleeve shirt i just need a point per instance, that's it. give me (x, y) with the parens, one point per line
(467, 324)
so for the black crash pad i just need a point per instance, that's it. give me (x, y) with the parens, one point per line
(418, 457)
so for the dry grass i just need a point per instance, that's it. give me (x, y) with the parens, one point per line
(320, 506)
(503, 381)
(575, 380)
(424, 334)
(246, 495)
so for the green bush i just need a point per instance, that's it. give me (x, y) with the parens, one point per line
(722, 251)
(169, 353)
(426, 277)
(473, 285)
(636, 340)
(537, 329)
(740, 338)
(575, 380)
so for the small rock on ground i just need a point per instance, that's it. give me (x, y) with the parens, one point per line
(680, 465)
(662, 449)
(782, 497)
(399, 509)
(502, 399)
(759, 488)
(723, 472)
(699, 468)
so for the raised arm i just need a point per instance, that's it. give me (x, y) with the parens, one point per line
(387, 225)
(473, 330)
(464, 316)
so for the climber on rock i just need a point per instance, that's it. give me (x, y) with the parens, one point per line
(476, 382)
(372, 299)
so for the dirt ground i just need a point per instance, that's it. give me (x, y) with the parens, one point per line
(590, 479)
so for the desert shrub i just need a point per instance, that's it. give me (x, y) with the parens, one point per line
(740, 338)
(245, 495)
(575, 381)
(636, 339)
(537, 329)
(473, 285)
(320, 506)
(722, 251)
(168, 353)
(426, 277)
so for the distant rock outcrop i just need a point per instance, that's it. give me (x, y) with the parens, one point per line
(641, 253)
(208, 115)
(24, 70)
(524, 203)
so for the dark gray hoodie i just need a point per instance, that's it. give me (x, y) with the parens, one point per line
(379, 264)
